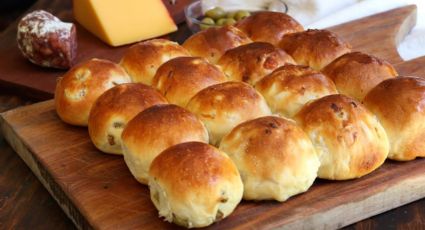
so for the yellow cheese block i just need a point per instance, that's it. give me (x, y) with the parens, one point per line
(119, 22)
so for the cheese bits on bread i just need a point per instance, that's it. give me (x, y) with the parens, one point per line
(267, 26)
(290, 87)
(251, 62)
(194, 184)
(348, 138)
(399, 103)
(114, 109)
(213, 42)
(77, 90)
(223, 106)
(314, 48)
(181, 78)
(275, 158)
(355, 74)
(154, 130)
(142, 60)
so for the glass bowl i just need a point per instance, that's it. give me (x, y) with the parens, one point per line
(194, 13)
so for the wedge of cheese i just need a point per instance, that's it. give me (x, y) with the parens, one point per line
(119, 22)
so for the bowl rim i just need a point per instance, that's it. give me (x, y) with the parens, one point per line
(197, 21)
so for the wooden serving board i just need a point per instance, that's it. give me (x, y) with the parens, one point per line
(24, 78)
(97, 191)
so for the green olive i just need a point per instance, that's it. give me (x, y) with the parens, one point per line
(229, 21)
(207, 23)
(215, 13)
(241, 14)
(221, 21)
(231, 14)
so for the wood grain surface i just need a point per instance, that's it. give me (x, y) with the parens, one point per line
(97, 190)
(39, 83)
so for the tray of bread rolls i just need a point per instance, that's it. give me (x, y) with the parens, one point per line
(244, 126)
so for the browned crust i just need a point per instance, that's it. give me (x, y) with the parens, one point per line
(251, 62)
(269, 26)
(213, 42)
(315, 48)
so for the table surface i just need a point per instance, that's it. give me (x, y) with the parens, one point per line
(26, 204)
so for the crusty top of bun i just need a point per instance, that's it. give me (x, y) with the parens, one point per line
(179, 79)
(223, 106)
(356, 73)
(79, 88)
(269, 26)
(251, 62)
(315, 48)
(399, 103)
(114, 108)
(213, 42)
(349, 139)
(142, 60)
(289, 87)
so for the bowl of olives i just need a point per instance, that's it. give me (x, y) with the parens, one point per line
(198, 18)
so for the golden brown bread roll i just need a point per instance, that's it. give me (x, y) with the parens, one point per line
(356, 73)
(269, 26)
(290, 87)
(223, 106)
(315, 48)
(399, 103)
(194, 184)
(114, 109)
(142, 60)
(348, 138)
(155, 129)
(275, 158)
(213, 42)
(181, 78)
(251, 62)
(79, 88)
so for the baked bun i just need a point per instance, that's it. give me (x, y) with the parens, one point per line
(269, 26)
(289, 87)
(155, 129)
(114, 109)
(355, 74)
(251, 62)
(181, 78)
(348, 138)
(79, 88)
(275, 158)
(399, 103)
(213, 42)
(315, 48)
(223, 106)
(194, 184)
(143, 59)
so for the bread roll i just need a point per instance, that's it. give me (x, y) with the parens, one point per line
(143, 59)
(79, 88)
(194, 184)
(213, 42)
(355, 74)
(275, 158)
(348, 138)
(269, 26)
(155, 129)
(289, 87)
(399, 103)
(253, 61)
(315, 48)
(181, 78)
(114, 109)
(223, 106)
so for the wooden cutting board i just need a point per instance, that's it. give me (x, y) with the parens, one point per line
(24, 78)
(97, 191)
